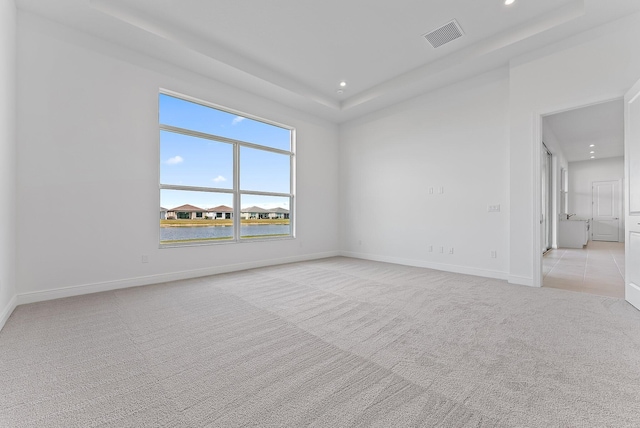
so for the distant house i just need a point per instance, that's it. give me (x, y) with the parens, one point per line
(186, 212)
(254, 213)
(278, 213)
(163, 213)
(220, 212)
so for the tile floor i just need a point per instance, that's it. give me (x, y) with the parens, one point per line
(598, 268)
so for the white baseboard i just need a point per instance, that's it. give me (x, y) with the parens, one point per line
(7, 311)
(39, 296)
(76, 290)
(486, 273)
(520, 280)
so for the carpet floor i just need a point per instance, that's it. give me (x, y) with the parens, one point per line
(329, 343)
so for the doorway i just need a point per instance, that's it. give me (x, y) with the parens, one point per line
(588, 153)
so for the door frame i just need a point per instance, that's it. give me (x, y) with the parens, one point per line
(548, 221)
(631, 292)
(536, 159)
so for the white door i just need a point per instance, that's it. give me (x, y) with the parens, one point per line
(632, 194)
(606, 210)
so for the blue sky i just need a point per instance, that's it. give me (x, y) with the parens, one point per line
(188, 115)
(191, 161)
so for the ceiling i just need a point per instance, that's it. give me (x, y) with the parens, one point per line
(600, 125)
(297, 51)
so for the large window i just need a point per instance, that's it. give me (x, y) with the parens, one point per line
(224, 176)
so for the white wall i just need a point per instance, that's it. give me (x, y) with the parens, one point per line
(593, 67)
(455, 138)
(88, 169)
(390, 158)
(583, 174)
(7, 157)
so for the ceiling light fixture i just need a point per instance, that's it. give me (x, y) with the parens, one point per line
(593, 157)
(508, 2)
(592, 145)
(343, 84)
(592, 152)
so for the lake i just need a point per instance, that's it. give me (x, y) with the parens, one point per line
(203, 232)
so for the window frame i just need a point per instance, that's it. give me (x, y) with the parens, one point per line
(235, 191)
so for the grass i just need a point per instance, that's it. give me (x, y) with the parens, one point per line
(218, 222)
(264, 236)
(181, 241)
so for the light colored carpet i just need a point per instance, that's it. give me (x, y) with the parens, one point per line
(329, 343)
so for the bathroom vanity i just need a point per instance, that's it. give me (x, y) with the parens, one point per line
(573, 233)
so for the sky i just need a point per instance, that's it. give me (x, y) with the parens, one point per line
(191, 161)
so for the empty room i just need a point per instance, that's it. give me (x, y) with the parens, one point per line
(326, 214)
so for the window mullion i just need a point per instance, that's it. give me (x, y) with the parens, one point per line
(236, 192)
(194, 188)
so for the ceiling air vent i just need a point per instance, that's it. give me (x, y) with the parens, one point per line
(444, 34)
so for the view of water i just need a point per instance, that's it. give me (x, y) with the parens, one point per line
(201, 232)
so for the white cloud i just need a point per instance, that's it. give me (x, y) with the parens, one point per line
(219, 179)
(174, 160)
(237, 120)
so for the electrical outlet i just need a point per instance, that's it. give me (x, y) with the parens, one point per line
(431, 190)
(145, 258)
(493, 208)
(451, 250)
(441, 190)
(442, 249)
(493, 254)
(430, 248)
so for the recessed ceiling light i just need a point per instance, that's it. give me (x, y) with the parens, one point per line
(593, 157)
(592, 152)
(343, 84)
(339, 92)
(508, 2)
(592, 145)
